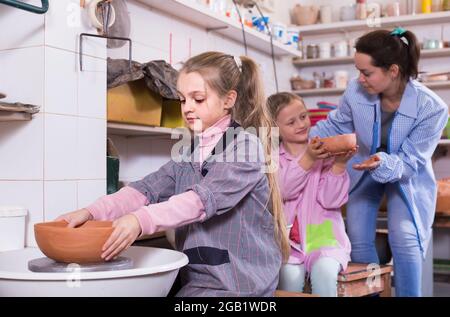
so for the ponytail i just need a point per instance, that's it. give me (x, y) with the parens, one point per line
(413, 55)
(251, 97)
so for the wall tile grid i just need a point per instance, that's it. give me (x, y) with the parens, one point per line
(56, 162)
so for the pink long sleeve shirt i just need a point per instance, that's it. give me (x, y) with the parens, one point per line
(179, 210)
(315, 198)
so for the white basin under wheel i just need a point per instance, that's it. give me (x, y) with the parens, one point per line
(153, 273)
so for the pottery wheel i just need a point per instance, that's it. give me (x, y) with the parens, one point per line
(48, 265)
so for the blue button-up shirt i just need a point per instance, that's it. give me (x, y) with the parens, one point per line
(415, 132)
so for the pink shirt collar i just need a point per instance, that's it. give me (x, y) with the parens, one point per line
(289, 156)
(214, 132)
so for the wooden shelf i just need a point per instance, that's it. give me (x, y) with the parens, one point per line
(203, 17)
(319, 92)
(441, 52)
(322, 61)
(337, 91)
(348, 60)
(386, 22)
(14, 116)
(131, 130)
(438, 85)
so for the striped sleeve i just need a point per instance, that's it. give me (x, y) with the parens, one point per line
(415, 151)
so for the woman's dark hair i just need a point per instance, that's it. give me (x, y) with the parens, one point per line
(387, 49)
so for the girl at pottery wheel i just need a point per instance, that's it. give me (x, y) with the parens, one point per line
(221, 194)
(398, 123)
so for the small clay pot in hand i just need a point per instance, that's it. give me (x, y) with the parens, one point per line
(369, 164)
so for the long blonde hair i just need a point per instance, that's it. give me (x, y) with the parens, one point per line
(223, 73)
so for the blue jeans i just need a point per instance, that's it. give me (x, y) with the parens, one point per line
(362, 209)
(324, 273)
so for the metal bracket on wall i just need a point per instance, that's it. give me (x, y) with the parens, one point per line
(105, 37)
(26, 6)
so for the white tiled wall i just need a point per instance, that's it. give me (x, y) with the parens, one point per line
(60, 147)
(30, 33)
(59, 196)
(56, 162)
(22, 150)
(22, 72)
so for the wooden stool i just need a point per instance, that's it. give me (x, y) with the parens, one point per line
(281, 293)
(358, 280)
(365, 279)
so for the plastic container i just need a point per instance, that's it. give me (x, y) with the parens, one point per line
(12, 227)
(426, 6)
(292, 36)
(279, 32)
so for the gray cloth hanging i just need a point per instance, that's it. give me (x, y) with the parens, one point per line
(160, 77)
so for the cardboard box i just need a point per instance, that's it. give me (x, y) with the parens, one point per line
(134, 103)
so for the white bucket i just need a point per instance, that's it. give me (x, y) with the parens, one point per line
(12, 227)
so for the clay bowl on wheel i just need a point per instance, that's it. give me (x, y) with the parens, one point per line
(339, 144)
(82, 244)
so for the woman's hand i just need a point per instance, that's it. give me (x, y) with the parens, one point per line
(75, 218)
(126, 230)
(371, 163)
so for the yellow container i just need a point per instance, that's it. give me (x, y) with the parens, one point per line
(171, 114)
(134, 103)
(426, 6)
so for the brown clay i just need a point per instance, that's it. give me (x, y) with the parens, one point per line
(73, 245)
(339, 144)
(368, 163)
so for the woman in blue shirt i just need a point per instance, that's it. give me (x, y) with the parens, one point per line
(398, 122)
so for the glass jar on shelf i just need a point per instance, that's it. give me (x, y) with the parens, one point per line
(312, 51)
(446, 5)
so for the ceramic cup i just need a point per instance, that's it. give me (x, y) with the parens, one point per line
(347, 13)
(393, 9)
(325, 50)
(340, 49)
(326, 14)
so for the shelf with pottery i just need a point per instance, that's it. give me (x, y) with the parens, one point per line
(197, 14)
(384, 22)
(442, 52)
(134, 130)
(337, 91)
